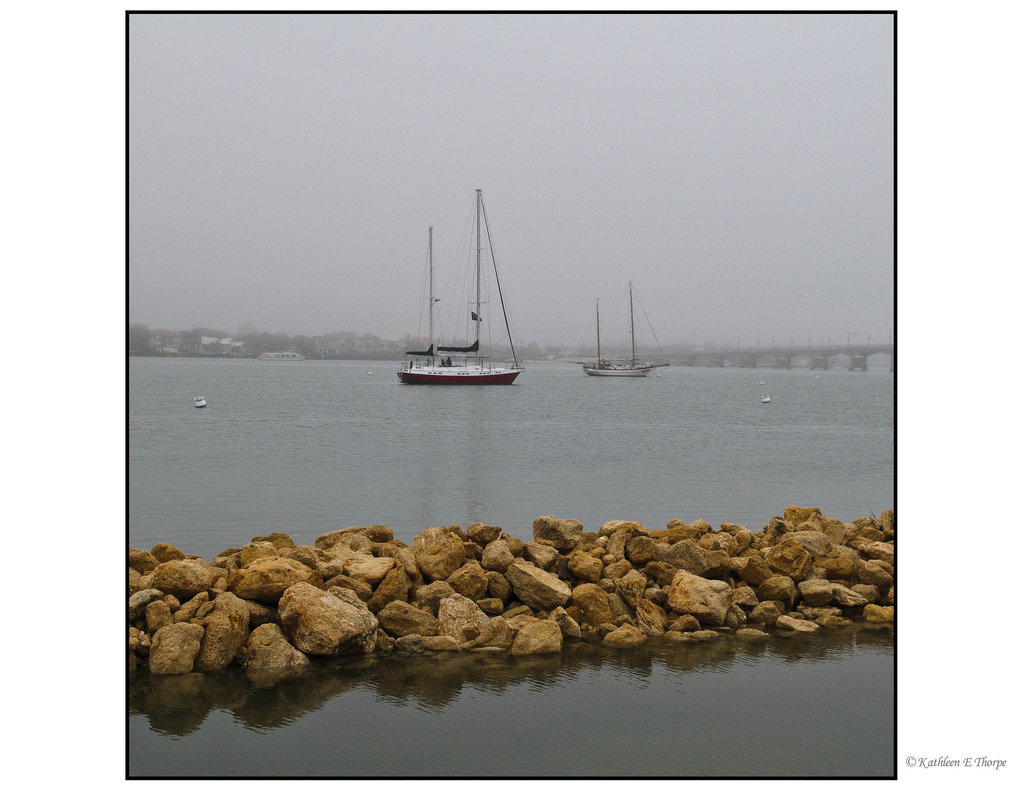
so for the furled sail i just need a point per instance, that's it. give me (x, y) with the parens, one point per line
(427, 353)
(471, 348)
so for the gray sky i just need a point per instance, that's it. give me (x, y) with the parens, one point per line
(283, 170)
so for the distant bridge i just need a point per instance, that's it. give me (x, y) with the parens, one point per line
(782, 357)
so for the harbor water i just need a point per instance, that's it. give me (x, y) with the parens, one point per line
(313, 446)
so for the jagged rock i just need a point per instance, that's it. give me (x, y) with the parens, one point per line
(625, 637)
(183, 577)
(535, 587)
(334, 622)
(563, 534)
(778, 587)
(685, 623)
(815, 592)
(754, 570)
(361, 588)
(164, 552)
(538, 636)
(585, 567)
(469, 580)
(744, 596)
(650, 619)
(640, 549)
(789, 558)
(269, 657)
(568, 625)
(707, 600)
(870, 593)
(765, 613)
(872, 573)
(631, 587)
(439, 643)
(840, 563)
(225, 630)
(138, 602)
(797, 625)
(496, 633)
(369, 569)
(254, 550)
(394, 586)
(266, 579)
(158, 614)
(409, 643)
(174, 648)
(879, 613)
(141, 561)
(304, 554)
(690, 557)
(496, 556)
(593, 605)
(816, 543)
(498, 586)
(846, 597)
(750, 634)
(460, 617)
(482, 534)
(430, 596)
(492, 606)
(400, 619)
(540, 554)
(439, 552)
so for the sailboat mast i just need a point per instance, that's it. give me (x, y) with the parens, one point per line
(598, 309)
(476, 316)
(632, 335)
(430, 258)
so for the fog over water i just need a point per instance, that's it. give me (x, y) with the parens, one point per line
(283, 170)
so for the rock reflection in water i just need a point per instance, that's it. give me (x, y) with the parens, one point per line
(178, 705)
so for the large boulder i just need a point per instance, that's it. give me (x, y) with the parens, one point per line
(816, 543)
(631, 587)
(563, 534)
(483, 534)
(438, 552)
(174, 648)
(226, 628)
(537, 636)
(815, 592)
(593, 605)
(496, 634)
(400, 618)
(707, 600)
(536, 588)
(269, 657)
(266, 579)
(460, 617)
(184, 577)
(334, 622)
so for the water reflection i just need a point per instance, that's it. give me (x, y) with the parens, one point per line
(179, 705)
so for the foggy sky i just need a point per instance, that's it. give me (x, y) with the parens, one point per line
(283, 170)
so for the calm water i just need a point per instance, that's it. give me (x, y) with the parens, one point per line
(310, 447)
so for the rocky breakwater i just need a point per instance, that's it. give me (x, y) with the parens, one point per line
(272, 605)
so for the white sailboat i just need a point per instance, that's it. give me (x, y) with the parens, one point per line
(620, 368)
(460, 365)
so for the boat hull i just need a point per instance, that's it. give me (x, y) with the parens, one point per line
(593, 371)
(458, 376)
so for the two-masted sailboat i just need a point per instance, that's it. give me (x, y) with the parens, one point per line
(620, 368)
(461, 365)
